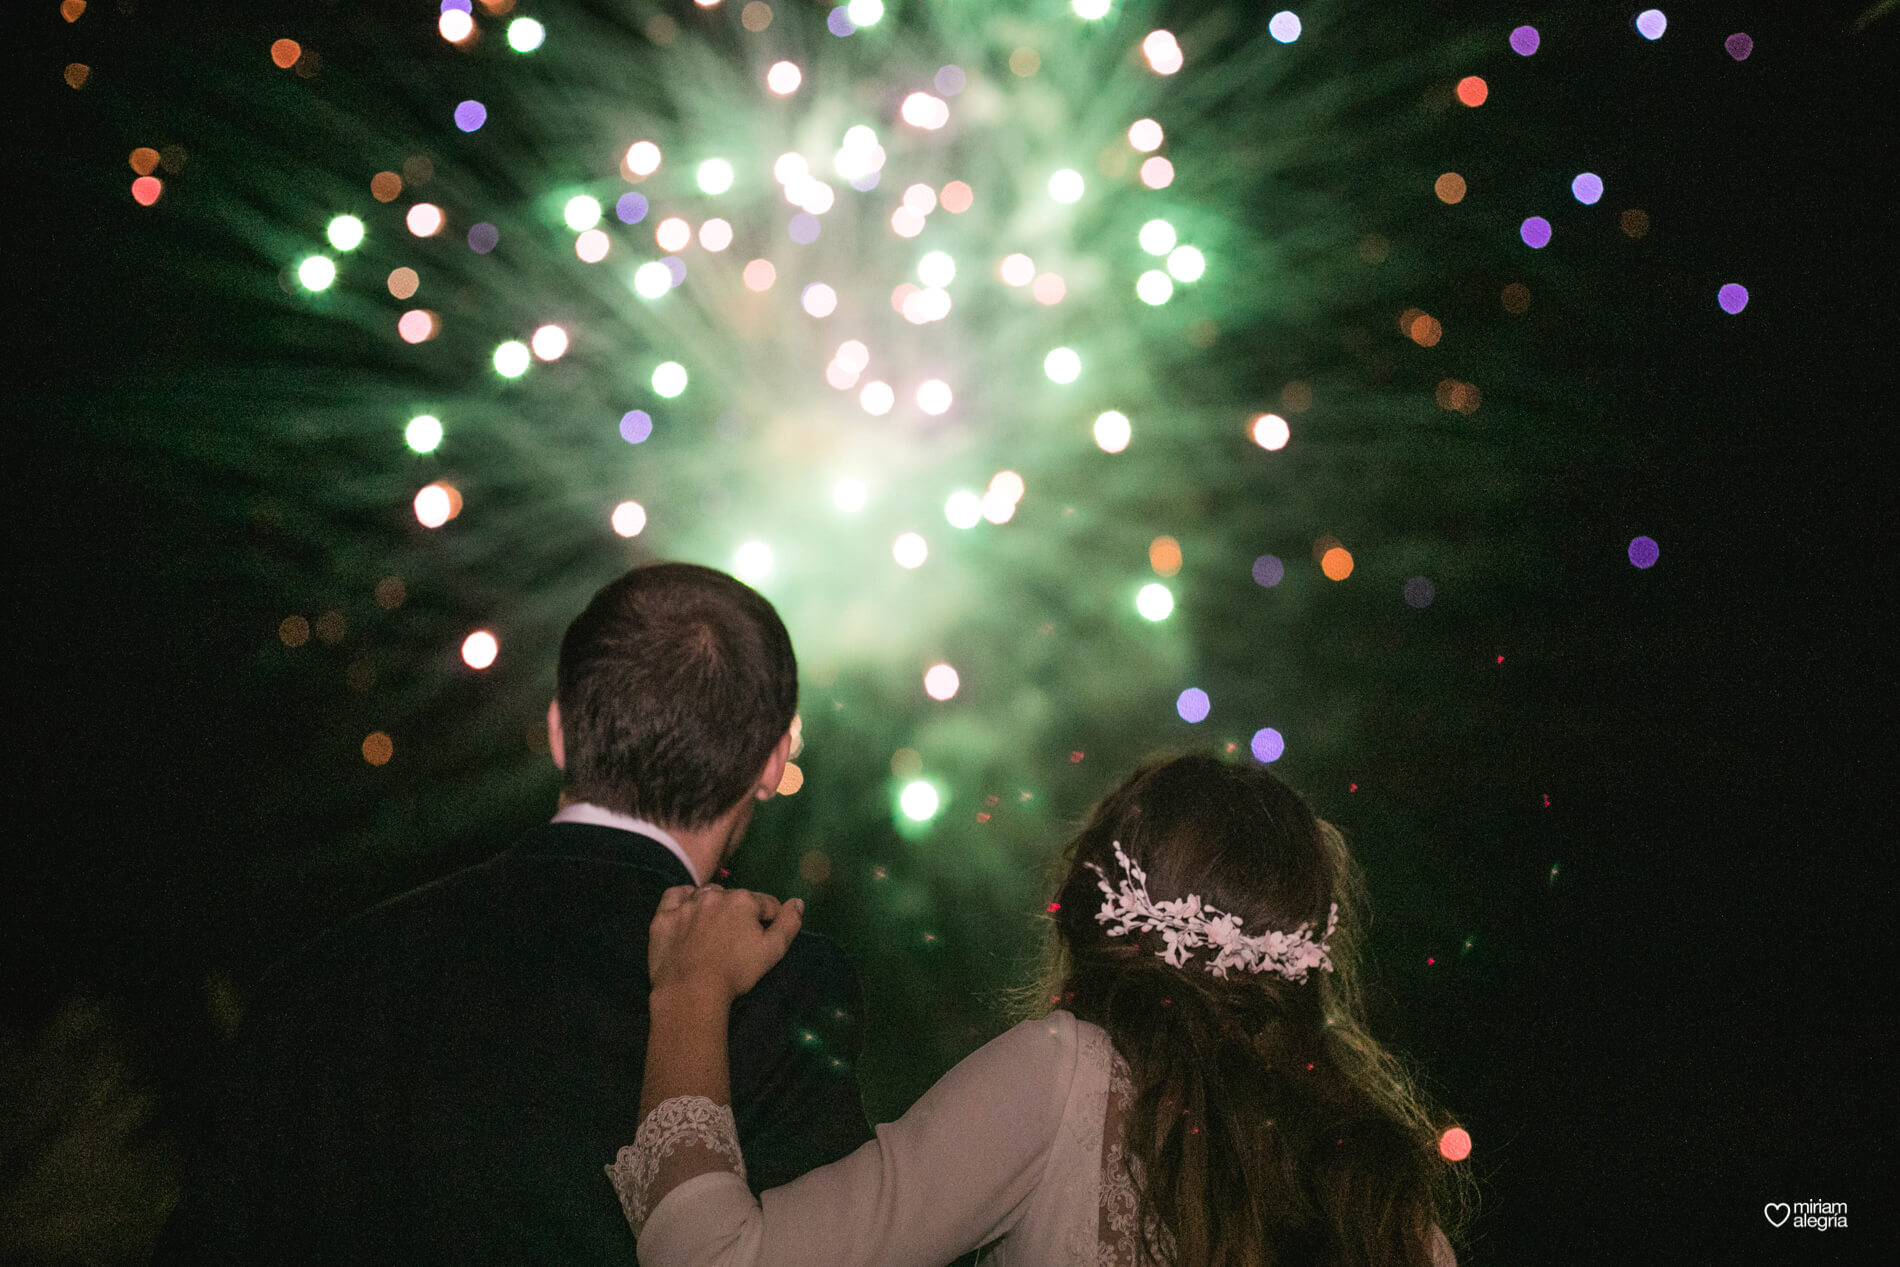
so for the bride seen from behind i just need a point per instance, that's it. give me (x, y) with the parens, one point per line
(1204, 1093)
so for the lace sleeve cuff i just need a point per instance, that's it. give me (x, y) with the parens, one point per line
(680, 1139)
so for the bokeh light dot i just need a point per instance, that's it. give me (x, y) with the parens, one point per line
(629, 519)
(483, 238)
(1267, 745)
(1192, 704)
(1063, 365)
(424, 219)
(877, 398)
(1157, 173)
(479, 649)
(418, 325)
(582, 212)
(1336, 563)
(669, 379)
(783, 79)
(1284, 26)
(963, 509)
(316, 272)
(470, 115)
(284, 53)
(1472, 91)
(643, 158)
(1651, 23)
(759, 275)
(592, 246)
(1066, 185)
(345, 233)
(146, 189)
(549, 343)
(752, 561)
(957, 197)
(1733, 297)
(818, 299)
(1154, 287)
(1112, 431)
(1644, 552)
(512, 359)
(919, 800)
(715, 176)
(1524, 40)
(1587, 188)
(635, 426)
(455, 26)
(1419, 592)
(1268, 570)
(941, 682)
(424, 433)
(1739, 46)
(1145, 135)
(849, 495)
(1154, 601)
(525, 35)
(1270, 431)
(1455, 1144)
(716, 234)
(1536, 233)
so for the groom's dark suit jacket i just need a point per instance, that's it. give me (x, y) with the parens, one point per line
(442, 1079)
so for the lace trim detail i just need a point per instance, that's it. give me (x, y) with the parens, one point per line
(1118, 1244)
(687, 1121)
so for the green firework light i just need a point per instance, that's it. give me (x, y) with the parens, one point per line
(1073, 288)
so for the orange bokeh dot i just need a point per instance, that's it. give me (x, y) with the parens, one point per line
(146, 189)
(1450, 188)
(294, 631)
(1164, 556)
(759, 275)
(956, 197)
(403, 282)
(1634, 223)
(1425, 330)
(384, 186)
(71, 9)
(77, 73)
(1473, 90)
(1455, 1144)
(285, 53)
(144, 160)
(378, 748)
(1336, 563)
(791, 781)
(1516, 298)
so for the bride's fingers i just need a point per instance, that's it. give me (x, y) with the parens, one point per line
(675, 897)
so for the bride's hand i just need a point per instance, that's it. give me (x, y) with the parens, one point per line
(717, 942)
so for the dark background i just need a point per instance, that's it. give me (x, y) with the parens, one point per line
(1670, 1015)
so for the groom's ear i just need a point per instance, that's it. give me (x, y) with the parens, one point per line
(557, 743)
(774, 772)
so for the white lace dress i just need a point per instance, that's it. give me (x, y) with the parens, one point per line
(1018, 1145)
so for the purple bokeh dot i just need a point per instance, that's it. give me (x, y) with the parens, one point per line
(1644, 552)
(631, 208)
(675, 268)
(451, 6)
(1651, 23)
(839, 22)
(804, 227)
(1587, 188)
(950, 79)
(1739, 46)
(1267, 570)
(1524, 41)
(635, 426)
(483, 237)
(1192, 705)
(1268, 745)
(1535, 232)
(1733, 298)
(1419, 592)
(865, 182)
(470, 115)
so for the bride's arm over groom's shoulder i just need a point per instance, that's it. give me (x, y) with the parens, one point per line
(955, 1172)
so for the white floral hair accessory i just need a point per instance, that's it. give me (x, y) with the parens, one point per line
(1186, 925)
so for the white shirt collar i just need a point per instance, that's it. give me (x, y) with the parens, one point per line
(598, 816)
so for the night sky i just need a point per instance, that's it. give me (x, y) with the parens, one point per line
(1620, 821)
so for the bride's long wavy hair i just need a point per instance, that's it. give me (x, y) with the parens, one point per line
(1269, 1126)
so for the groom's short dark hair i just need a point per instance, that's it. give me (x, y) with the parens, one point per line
(674, 686)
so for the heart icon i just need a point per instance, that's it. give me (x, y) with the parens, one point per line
(1776, 1212)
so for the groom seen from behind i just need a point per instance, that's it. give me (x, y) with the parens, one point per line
(438, 1080)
